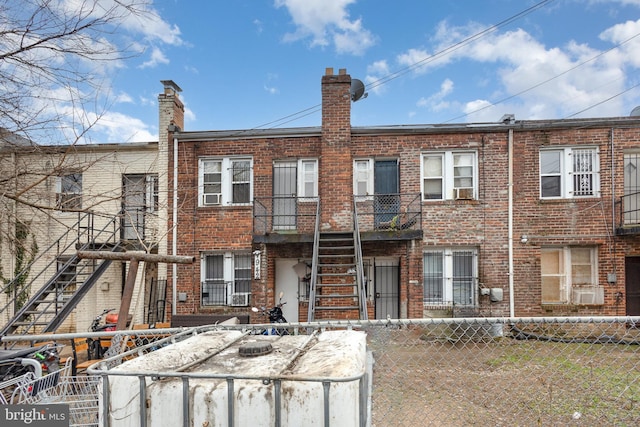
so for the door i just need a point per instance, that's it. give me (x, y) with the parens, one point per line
(387, 288)
(287, 283)
(632, 285)
(133, 206)
(386, 189)
(284, 195)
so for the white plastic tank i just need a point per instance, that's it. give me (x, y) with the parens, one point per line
(285, 384)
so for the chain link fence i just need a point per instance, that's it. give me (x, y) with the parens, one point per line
(483, 372)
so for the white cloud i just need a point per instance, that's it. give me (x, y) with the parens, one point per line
(436, 101)
(157, 57)
(535, 81)
(326, 23)
(375, 72)
(118, 127)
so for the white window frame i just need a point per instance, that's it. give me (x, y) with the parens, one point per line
(225, 197)
(363, 174)
(566, 171)
(450, 183)
(448, 279)
(152, 196)
(567, 272)
(69, 191)
(229, 279)
(306, 178)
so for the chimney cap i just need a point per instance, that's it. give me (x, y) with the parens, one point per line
(170, 85)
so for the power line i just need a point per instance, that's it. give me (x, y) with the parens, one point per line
(493, 104)
(392, 76)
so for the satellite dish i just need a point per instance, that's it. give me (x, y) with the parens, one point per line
(634, 113)
(357, 90)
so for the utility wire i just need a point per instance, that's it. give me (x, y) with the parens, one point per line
(457, 45)
(493, 104)
(386, 79)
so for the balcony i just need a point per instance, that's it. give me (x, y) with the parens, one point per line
(629, 208)
(389, 216)
(380, 217)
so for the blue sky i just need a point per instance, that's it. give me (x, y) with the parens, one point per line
(245, 63)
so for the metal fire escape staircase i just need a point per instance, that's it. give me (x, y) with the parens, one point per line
(337, 288)
(51, 304)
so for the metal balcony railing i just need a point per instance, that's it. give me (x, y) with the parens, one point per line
(628, 207)
(389, 212)
(284, 214)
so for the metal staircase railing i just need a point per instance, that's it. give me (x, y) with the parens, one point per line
(51, 304)
(314, 266)
(53, 248)
(360, 278)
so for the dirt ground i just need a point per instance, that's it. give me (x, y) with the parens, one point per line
(425, 380)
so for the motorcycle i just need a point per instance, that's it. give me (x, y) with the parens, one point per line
(275, 316)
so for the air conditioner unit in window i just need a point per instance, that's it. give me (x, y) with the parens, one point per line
(212, 199)
(240, 299)
(591, 295)
(463, 193)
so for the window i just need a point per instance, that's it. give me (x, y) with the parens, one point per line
(151, 198)
(449, 175)
(631, 199)
(450, 276)
(69, 192)
(363, 177)
(568, 273)
(225, 277)
(308, 170)
(225, 181)
(569, 172)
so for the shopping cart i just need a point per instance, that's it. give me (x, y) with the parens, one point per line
(79, 392)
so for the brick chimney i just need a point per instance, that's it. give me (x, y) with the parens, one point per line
(336, 166)
(171, 119)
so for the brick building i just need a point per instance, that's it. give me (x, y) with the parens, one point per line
(524, 218)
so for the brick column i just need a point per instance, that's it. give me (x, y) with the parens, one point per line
(336, 167)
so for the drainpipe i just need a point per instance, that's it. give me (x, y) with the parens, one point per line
(510, 213)
(174, 249)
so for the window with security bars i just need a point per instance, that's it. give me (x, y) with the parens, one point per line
(450, 276)
(225, 274)
(631, 199)
(569, 173)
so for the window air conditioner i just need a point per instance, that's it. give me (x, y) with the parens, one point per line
(212, 199)
(463, 193)
(240, 299)
(592, 295)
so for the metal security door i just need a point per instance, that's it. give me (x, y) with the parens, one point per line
(386, 189)
(387, 289)
(133, 206)
(632, 285)
(284, 195)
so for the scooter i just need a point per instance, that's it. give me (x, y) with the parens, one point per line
(111, 320)
(275, 316)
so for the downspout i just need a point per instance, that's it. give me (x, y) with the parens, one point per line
(510, 221)
(174, 249)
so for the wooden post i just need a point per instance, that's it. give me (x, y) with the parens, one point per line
(127, 294)
(134, 259)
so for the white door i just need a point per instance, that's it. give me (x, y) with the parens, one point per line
(287, 283)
